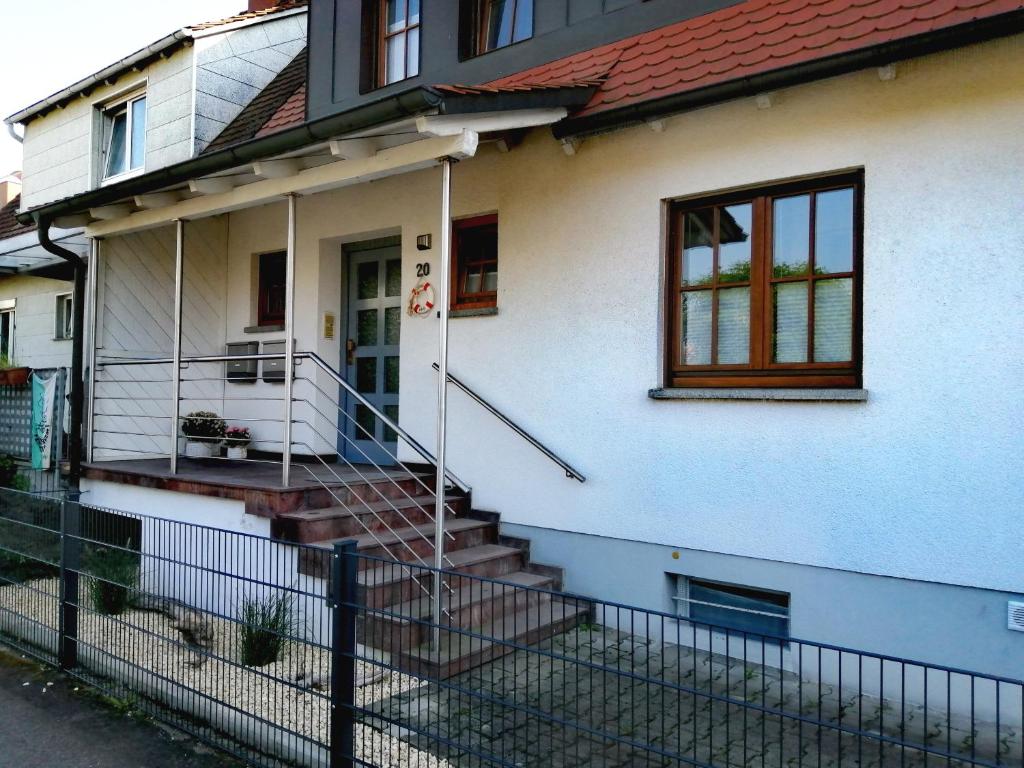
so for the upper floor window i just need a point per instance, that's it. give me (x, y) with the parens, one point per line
(502, 22)
(398, 48)
(64, 317)
(124, 131)
(475, 263)
(765, 287)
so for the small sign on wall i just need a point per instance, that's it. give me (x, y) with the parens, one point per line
(329, 323)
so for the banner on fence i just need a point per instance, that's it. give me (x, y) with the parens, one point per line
(44, 395)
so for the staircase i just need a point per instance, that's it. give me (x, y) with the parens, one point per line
(393, 519)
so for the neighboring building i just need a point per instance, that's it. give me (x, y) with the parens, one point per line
(704, 254)
(35, 289)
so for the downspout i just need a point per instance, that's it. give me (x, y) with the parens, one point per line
(77, 349)
(14, 133)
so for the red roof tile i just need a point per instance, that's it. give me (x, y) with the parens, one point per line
(9, 226)
(743, 40)
(292, 112)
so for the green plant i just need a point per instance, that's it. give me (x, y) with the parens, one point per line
(203, 427)
(9, 477)
(114, 578)
(266, 624)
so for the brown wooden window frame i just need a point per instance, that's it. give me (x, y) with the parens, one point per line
(760, 371)
(481, 23)
(264, 316)
(460, 268)
(383, 36)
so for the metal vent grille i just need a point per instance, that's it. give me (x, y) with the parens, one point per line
(1015, 616)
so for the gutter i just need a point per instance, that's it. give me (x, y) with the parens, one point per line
(97, 78)
(392, 108)
(966, 34)
(77, 349)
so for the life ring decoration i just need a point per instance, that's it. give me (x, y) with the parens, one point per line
(422, 299)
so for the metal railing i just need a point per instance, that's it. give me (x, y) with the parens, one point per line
(570, 471)
(354, 489)
(164, 614)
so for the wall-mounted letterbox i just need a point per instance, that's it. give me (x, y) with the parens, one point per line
(273, 370)
(242, 371)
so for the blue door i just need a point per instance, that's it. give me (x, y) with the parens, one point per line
(371, 350)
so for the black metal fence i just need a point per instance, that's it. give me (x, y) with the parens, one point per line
(288, 654)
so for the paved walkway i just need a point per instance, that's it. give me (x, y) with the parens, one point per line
(624, 701)
(44, 723)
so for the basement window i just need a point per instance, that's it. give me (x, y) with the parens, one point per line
(63, 317)
(732, 606)
(124, 137)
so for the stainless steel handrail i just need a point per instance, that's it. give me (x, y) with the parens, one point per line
(570, 471)
(320, 363)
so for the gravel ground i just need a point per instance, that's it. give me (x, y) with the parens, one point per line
(149, 642)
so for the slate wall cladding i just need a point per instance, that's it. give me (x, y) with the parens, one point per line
(228, 68)
(231, 69)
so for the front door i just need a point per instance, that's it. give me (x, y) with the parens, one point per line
(371, 352)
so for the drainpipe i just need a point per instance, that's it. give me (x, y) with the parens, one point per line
(78, 311)
(14, 133)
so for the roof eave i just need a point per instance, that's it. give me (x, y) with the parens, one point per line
(966, 34)
(116, 69)
(406, 104)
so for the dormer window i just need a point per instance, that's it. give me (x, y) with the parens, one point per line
(399, 41)
(124, 131)
(502, 22)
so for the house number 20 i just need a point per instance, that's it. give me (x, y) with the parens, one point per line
(422, 270)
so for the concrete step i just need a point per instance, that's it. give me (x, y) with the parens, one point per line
(306, 526)
(467, 601)
(459, 651)
(390, 584)
(411, 544)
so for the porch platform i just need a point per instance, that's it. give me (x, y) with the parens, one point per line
(256, 483)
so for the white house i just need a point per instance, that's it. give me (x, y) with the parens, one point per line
(705, 262)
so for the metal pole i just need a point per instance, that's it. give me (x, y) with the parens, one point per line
(344, 576)
(289, 346)
(442, 386)
(179, 274)
(90, 337)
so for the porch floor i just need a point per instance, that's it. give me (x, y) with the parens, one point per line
(257, 483)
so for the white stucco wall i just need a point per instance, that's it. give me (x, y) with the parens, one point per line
(34, 315)
(922, 481)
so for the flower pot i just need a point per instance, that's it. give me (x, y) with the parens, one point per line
(237, 451)
(18, 377)
(195, 450)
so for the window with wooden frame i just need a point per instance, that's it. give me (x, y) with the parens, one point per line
(398, 41)
(475, 263)
(500, 23)
(271, 292)
(764, 287)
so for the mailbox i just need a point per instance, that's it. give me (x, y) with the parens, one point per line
(273, 370)
(242, 371)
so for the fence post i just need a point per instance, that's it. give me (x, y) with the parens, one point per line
(70, 563)
(344, 594)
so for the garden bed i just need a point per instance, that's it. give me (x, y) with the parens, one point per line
(257, 706)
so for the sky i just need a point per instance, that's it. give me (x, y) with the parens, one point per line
(50, 44)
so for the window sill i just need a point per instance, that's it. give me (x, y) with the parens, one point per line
(477, 312)
(264, 329)
(764, 395)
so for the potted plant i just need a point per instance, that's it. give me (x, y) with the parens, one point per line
(203, 430)
(237, 440)
(13, 374)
